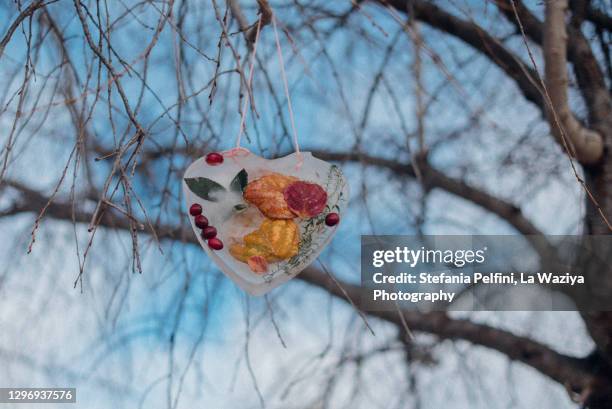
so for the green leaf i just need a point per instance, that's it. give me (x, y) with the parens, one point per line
(205, 188)
(239, 182)
(240, 207)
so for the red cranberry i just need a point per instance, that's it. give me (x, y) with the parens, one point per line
(214, 158)
(215, 244)
(332, 219)
(195, 209)
(201, 221)
(209, 232)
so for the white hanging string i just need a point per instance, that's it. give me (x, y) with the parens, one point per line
(249, 88)
(289, 105)
(286, 88)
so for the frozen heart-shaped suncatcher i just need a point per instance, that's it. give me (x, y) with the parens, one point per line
(263, 221)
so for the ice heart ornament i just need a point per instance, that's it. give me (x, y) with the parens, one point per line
(263, 221)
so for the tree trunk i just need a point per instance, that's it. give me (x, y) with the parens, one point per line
(599, 323)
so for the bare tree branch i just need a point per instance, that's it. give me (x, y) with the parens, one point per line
(433, 178)
(25, 13)
(570, 371)
(584, 63)
(594, 15)
(561, 368)
(250, 30)
(479, 39)
(584, 144)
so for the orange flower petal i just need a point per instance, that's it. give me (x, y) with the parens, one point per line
(266, 193)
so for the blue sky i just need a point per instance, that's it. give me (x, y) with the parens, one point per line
(112, 339)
